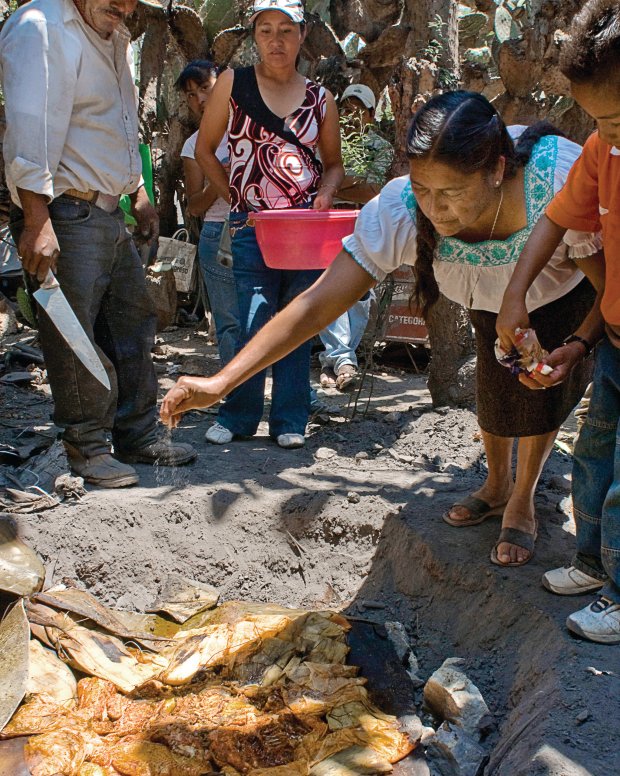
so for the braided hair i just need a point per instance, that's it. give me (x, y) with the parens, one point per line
(461, 129)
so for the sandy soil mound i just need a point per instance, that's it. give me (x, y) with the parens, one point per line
(352, 521)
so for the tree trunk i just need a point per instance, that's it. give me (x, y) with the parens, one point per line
(451, 378)
(171, 38)
(422, 70)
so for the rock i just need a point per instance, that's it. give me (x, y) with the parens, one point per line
(596, 672)
(398, 636)
(394, 417)
(69, 486)
(453, 697)
(582, 717)
(194, 365)
(427, 736)
(325, 453)
(451, 752)
(353, 498)
(368, 604)
(8, 321)
(412, 726)
(565, 506)
(561, 482)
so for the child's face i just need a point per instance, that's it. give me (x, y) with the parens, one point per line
(197, 94)
(603, 104)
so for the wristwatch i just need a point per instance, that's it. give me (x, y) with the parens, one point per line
(577, 338)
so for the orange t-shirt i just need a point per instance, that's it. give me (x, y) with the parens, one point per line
(589, 202)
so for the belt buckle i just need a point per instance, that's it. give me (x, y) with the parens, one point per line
(85, 196)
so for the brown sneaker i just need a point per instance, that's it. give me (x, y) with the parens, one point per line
(161, 452)
(102, 470)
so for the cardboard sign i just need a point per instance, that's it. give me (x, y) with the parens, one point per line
(405, 323)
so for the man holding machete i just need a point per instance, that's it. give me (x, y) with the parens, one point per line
(71, 150)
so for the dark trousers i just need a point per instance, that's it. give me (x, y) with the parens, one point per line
(100, 273)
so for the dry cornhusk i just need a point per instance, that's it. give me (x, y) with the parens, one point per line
(14, 637)
(244, 690)
(21, 571)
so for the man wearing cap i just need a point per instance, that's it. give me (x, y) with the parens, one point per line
(71, 150)
(357, 106)
(365, 175)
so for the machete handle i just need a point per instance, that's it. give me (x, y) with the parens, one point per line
(50, 281)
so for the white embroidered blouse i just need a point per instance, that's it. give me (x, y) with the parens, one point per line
(476, 274)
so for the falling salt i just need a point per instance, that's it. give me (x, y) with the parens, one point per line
(174, 477)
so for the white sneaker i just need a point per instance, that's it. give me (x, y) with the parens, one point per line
(598, 622)
(290, 441)
(570, 581)
(219, 434)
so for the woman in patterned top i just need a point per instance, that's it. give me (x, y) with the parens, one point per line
(277, 121)
(461, 217)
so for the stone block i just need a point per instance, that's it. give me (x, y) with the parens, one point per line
(451, 696)
(451, 752)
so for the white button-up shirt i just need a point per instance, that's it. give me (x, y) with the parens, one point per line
(71, 104)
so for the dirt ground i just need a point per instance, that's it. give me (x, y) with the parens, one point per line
(353, 522)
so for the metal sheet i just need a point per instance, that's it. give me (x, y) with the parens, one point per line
(55, 304)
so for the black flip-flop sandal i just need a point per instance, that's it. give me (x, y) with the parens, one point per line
(519, 538)
(478, 509)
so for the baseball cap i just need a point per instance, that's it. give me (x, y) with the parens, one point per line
(361, 92)
(292, 8)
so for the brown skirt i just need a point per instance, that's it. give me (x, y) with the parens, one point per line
(507, 408)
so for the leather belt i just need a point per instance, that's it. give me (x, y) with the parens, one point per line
(89, 196)
(106, 202)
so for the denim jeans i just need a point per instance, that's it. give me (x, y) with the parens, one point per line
(100, 273)
(342, 337)
(596, 476)
(261, 293)
(220, 284)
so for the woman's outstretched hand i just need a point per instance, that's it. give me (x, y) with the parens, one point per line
(189, 393)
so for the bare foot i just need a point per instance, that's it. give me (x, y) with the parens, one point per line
(327, 378)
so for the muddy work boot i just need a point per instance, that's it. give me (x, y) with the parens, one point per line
(102, 469)
(161, 452)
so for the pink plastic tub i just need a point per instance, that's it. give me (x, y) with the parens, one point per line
(302, 239)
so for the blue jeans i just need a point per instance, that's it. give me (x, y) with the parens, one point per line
(261, 293)
(342, 337)
(220, 285)
(100, 273)
(596, 477)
